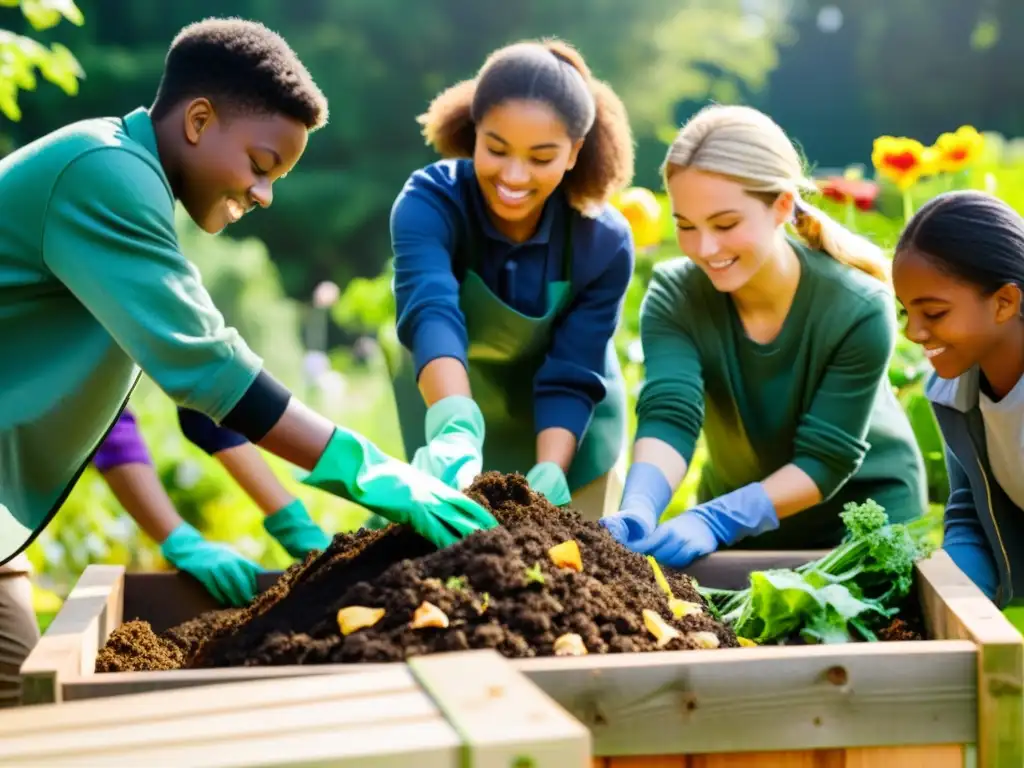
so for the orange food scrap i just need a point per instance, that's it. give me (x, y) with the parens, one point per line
(567, 555)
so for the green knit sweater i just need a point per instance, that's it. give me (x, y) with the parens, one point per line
(816, 396)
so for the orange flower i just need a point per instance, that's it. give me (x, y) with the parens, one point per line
(843, 190)
(955, 151)
(902, 160)
(643, 212)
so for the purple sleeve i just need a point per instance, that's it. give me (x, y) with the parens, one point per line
(123, 445)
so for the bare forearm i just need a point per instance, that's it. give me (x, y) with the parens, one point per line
(251, 471)
(556, 445)
(299, 436)
(140, 492)
(443, 378)
(650, 450)
(791, 490)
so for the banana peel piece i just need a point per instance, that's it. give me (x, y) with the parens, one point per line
(663, 632)
(570, 644)
(428, 615)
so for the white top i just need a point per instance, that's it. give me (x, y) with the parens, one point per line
(1004, 435)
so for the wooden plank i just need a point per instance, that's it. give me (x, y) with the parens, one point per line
(934, 756)
(70, 644)
(831, 758)
(808, 697)
(375, 719)
(955, 608)
(503, 718)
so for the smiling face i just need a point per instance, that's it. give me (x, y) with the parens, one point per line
(522, 153)
(727, 232)
(229, 166)
(956, 323)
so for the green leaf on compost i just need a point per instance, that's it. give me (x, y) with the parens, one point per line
(534, 574)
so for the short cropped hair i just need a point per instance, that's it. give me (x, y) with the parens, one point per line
(241, 66)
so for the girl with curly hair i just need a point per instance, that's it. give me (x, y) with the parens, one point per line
(510, 272)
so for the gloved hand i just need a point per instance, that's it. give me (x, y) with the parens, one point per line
(295, 530)
(228, 576)
(455, 442)
(354, 468)
(548, 479)
(747, 511)
(645, 497)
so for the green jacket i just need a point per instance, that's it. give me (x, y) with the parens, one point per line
(93, 287)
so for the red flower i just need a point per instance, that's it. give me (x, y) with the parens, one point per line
(843, 190)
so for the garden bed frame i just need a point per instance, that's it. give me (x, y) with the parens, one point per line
(955, 699)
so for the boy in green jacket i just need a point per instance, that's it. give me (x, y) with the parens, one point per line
(93, 286)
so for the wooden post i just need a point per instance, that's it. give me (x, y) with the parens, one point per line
(955, 607)
(69, 647)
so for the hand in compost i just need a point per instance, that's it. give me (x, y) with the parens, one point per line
(353, 468)
(225, 574)
(548, 479)
(645, 497)
(295, 530)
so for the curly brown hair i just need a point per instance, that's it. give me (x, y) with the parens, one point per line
(537, 70)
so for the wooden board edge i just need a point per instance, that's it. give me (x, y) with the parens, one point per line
(955, 607)
(69, 647)
(503, 717)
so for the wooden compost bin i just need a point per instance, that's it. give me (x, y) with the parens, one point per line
(458, 710)
(952, 700)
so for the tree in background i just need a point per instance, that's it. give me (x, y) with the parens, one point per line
(21, 56)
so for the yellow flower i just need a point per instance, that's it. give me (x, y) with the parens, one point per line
(955, 151)
(901, 160)
(643, 212)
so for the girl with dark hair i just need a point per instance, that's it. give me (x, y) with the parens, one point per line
(510, 273)
(958, 272)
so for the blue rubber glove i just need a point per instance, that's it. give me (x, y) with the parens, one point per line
(295, 530)
(228, 576)
(548, 479)
(455, 442)
(645, 497)
(353, 468)
(720, 522)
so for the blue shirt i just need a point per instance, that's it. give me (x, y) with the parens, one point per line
(429, 218)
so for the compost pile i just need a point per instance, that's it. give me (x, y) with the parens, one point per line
(545, 582)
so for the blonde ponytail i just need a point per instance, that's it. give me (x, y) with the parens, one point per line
(823, 233)
(749, 147)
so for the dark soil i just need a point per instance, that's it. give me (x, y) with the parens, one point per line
(481, 583)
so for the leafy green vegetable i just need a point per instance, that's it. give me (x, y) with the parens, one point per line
(856, 587)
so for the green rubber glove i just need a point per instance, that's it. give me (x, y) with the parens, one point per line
(295, 530)
(354, 468)
(548, 479)
(455, 442)
(228, 576)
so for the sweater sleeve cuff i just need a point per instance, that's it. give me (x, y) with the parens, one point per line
(565, 411)
(824, 476)
(435, 340)
(681, 441)
(259, 409)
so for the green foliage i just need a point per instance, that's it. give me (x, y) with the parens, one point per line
(22, 56)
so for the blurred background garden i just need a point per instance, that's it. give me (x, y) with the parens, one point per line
(307, 281)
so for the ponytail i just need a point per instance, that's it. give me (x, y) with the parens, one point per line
(823, 233)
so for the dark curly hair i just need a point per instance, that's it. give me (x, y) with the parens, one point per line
(554, 72)
(241, 66)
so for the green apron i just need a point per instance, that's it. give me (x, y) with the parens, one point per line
(506, 349)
